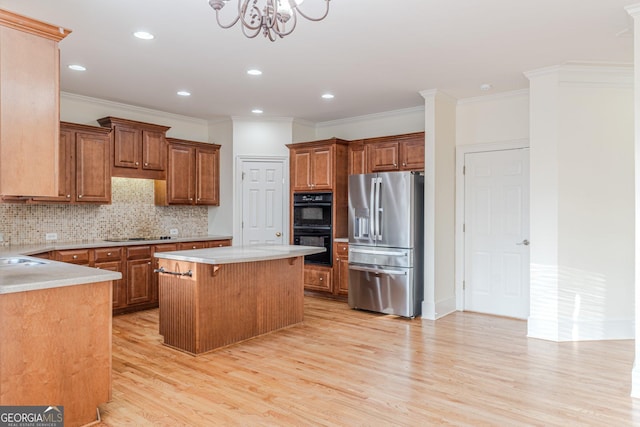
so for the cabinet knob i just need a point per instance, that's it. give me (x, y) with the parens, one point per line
(79, 196)
(404, 164)
(75, 257)
(149, 263)
(190, 199)
(199, 199)
(137, 163)
(193, 247)
(108, 253)
(146, 164)
(395, 165)
(68, 196)
(321, 279)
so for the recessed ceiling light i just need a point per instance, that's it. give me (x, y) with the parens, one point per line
(257, 111)
(485, 87)
(327, 96)
(184, 93)
(144, 35)
(77, 67)
(254, 72)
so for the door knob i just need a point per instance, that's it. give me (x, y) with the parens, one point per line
(524, 242)
(278, 234)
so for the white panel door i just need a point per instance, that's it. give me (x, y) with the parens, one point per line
(262, 202)
(496, 279)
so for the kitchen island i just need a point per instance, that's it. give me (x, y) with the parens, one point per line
(211, 298)
(55, 336)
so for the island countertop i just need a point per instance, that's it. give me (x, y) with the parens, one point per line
(236, 254)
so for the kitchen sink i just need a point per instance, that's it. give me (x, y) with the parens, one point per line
(19, 261)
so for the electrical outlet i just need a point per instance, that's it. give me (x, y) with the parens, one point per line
(1, 237)
(173, 231)
(51, 236)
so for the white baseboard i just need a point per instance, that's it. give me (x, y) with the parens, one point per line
(440, 309)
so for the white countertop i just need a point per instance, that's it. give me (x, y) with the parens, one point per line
(235, 254)
(54, 274)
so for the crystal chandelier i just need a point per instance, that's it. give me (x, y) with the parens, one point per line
(270, 17)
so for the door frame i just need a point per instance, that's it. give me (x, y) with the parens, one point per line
(461, 151)
(240, 161)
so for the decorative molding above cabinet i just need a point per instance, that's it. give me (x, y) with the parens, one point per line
(139, 149)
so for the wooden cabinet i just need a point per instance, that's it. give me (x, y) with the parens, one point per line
(74, 256)
(84, 174)
(193, 174)
(341, 268)
(111, 259)
(218, 243)
(395, 153)
(317, 278)
(29, 105)
(139, 275)
(357, 158)
(317, 165)
(139, 150)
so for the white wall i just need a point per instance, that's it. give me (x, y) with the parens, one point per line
(86, 110)
(373, 125)
(221, 217)
(493, 118)
(582, 202)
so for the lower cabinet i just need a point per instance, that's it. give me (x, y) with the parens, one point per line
(138, 288)
(317, 278)
(341, 268)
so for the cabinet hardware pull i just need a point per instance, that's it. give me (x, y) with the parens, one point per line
(75, 257)
(79, 196)
(108, 253)
(137, 163)
(162, 270)
(68, 196)
(146, 164)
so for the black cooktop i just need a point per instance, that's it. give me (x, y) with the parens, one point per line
(133, 239)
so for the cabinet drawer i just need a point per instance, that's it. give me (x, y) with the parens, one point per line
(108, 254)
(74, 256)
(218, 243)
(138, 252)
(191, 245)
(342, 249)
(318, 280)
(167, 247)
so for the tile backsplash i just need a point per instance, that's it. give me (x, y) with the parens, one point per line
(132, 213)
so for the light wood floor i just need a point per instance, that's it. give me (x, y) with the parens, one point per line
(348, 368)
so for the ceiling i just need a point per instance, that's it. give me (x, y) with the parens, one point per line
(373, 57)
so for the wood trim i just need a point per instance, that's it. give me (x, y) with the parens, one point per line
(32, 26)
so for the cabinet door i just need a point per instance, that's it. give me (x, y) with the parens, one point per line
(357, 158)
(207, 185)
(126, 147)
(66, 169)
(154, 148)
(413, 154)
(301, 178)
(317, 278)
(180, 182)
(119, 286)
(93, 174)
(322, 168)
(383, 156)
(139, 281)
(341, 269)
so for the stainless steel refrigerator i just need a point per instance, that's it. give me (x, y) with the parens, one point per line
(386, 241)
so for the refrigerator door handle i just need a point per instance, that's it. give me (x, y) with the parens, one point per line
(372, 208)
(377, 270)
(379, 210)
(372, 252)
(376, 209)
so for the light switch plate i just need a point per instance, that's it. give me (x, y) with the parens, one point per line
(51, 236)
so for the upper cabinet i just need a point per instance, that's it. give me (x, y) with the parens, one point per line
(29, 105)
(193, 174)
(357, 158)
(395, 153)
(84, 173)
(139, 149)
(314, 164)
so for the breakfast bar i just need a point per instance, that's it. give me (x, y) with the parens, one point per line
(211, 298)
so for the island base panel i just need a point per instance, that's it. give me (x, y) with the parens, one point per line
(55, 349)
(227, 303)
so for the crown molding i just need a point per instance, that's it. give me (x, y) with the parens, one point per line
(432, 93)
(246, 119)
(386, 114)
(495, 96)
(633, 9)
(594, 72)
(132, 108)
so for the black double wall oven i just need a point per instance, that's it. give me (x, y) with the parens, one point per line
(312, 224)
